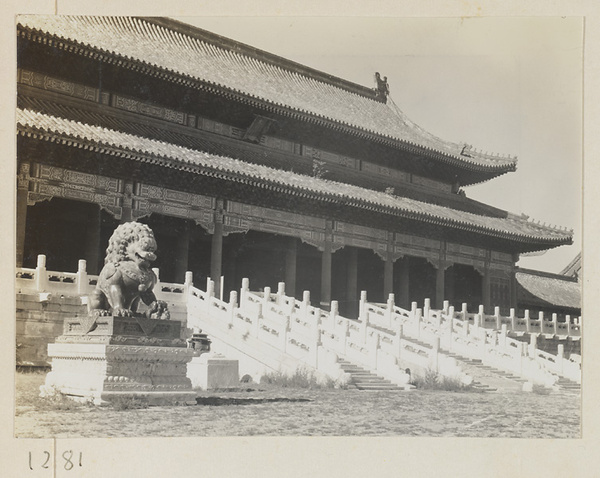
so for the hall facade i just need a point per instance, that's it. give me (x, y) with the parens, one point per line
(246, 164)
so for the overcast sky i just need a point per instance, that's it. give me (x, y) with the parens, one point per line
(504, 85)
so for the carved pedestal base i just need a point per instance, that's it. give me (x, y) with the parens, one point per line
(121, 357)
(99, 372)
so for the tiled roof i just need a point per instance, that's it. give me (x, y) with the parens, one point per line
(264, 78)
(87, 136)
(547, 289)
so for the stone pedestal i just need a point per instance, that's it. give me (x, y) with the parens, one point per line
(102, 358)
(213, 371)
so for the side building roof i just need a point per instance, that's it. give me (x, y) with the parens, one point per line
(539, 289)
(191, 55)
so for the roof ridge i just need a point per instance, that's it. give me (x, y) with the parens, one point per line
(262, 55)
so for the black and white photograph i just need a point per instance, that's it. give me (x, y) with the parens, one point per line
(307, 227)
(271, 227)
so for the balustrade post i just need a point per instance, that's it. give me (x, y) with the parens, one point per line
(305, 304)
(188, 283)
(333, 313)
(541, 321)
(513, 319)
(244, 291)
(527, 321)
(418, 321)
(532, 345)
(363, 316)
(266, 298)
(413, 310)
(481, 312)
(280, 292)
(210, 288)
(362, 306)
(464, 312)
(568, 322)
(498, 317)
(426, 309)
(82, 277)
(445, 306)
(232, 306)
(476, 320)
(451, 319)
(554, 324)
(390, 310)
(41, 274)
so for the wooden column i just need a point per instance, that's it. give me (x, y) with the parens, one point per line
(450, 287)
(183, 246)
(216, 253)
(513, 286)
(352, 282)
(290, 267)
(485, 287)
(403, 288)
(92, 241)
(440, 285)
(23, 186)
(388, 276)
(326, 276)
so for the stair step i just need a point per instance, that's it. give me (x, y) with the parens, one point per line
(377, 387)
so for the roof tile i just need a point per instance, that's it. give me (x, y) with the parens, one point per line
(140, 40)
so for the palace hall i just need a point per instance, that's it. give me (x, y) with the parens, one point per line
(249, 165)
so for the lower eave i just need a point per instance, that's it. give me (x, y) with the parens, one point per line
(522, 243)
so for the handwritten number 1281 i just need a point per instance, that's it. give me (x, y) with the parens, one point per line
(68, 458)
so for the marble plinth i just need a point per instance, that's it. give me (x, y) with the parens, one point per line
(121, 357)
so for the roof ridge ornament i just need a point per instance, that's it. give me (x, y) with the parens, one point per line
(382, 89)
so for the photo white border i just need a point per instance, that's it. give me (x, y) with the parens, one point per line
(315, 456)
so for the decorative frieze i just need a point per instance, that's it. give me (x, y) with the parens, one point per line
(148, 109)
(51, 83)
(273, 216)
(431, 183)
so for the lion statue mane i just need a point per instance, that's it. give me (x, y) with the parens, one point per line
(127, 277)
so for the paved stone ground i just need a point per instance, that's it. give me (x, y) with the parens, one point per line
(257, 410)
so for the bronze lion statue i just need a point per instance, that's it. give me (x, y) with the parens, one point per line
(126, 277)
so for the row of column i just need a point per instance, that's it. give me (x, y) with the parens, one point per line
(216, 262)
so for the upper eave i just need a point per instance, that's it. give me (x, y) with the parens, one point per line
(198, 59)
(106, 141)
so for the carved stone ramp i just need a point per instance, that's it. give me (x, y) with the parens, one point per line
(364, 380)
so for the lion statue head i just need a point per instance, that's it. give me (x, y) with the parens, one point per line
(129, 242)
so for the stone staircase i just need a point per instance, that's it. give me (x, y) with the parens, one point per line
(362, 379)
(568, 385)
(487, 378)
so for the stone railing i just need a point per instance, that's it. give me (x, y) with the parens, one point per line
(311, 335)
(384, 339)
(483, 337)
